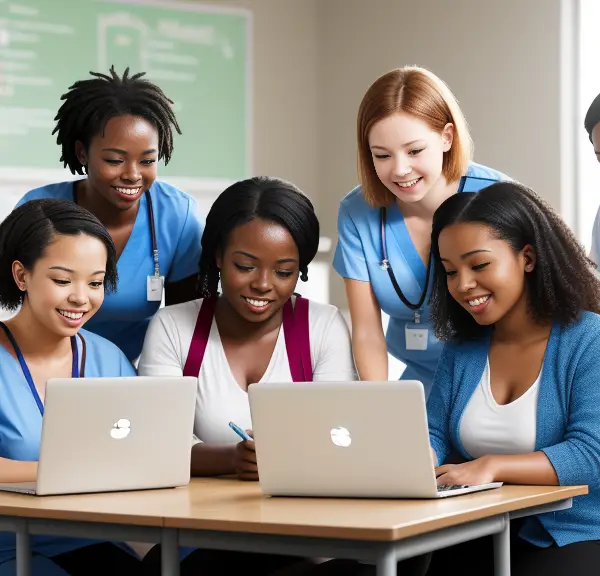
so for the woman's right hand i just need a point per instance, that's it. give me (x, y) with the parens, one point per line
(245, 460)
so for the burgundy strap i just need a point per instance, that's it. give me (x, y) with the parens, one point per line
(295, 331)
(200, 337)
(303, 336)
(297, 339)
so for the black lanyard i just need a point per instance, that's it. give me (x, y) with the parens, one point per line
(153, 234)
(386, 265)
(27, 373)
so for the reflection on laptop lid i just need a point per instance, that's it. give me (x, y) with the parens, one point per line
(112, 434)
(345, 439)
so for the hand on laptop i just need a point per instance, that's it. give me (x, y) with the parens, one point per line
(245, 460)
(479, 471)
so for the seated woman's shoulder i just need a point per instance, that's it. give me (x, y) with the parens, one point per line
(320, 312)
(586, 325)
(184, 311)
(93, 340)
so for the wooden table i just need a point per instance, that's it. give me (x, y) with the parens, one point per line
(233, 515)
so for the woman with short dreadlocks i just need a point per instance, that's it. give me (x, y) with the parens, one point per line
(113, 130)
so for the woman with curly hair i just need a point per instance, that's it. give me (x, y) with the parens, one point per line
(516, 392)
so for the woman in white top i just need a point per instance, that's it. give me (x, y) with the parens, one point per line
(260, 236)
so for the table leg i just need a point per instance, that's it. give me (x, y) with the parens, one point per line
(169, 552)
(23, 549)
(502, 550)
(386, 563)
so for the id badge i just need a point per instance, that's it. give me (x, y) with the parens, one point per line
(154, 288)
(416, 336)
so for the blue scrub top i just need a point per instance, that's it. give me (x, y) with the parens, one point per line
(358, 257)
(125, 315)
(21, 431)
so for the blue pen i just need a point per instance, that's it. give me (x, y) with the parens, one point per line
(239, 431)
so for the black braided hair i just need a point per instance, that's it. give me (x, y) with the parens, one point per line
(263, 197)
(563, 282)
(90, 104)
(30, 228)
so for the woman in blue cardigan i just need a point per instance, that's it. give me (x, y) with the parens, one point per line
(517, 390)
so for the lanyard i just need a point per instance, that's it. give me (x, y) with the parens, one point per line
(153, 234)
(386, 265)
(25, 369)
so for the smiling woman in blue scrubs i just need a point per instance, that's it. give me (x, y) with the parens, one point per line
(114, 130)
(414, 152)
(56, 261)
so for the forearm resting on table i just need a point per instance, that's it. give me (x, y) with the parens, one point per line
(534, 468)
(212, 459)
(17, 471)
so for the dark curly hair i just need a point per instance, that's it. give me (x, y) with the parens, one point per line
(90, 104)
(563, 282)
(30, 228)
(264, 197)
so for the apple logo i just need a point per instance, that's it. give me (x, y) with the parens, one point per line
(341, 437)
(121, 429)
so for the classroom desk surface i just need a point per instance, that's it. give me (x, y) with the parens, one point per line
(231, 505)
(236, 506)
(229, 514)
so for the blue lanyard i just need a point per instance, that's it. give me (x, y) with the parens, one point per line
(25, 369)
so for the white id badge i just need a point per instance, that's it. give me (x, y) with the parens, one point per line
(154, 288)
(416, 337)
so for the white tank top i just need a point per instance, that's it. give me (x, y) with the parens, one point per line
(487, 427)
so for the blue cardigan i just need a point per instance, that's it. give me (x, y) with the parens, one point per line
(568, 420)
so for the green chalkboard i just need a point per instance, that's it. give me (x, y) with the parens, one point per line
(198, 54)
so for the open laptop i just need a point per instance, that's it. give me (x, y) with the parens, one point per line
(345, 439)
(113, 434)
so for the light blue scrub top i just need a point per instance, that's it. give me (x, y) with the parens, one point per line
(21, 432)
(358, 257)
(125, 315)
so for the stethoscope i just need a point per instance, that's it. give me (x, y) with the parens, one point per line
(386, 265)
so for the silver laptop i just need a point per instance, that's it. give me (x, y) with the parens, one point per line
(345, 439)
(113, 434)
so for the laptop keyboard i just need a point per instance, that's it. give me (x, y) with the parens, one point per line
(445, 487)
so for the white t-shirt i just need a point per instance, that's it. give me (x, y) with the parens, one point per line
(487, 427)
(220, 399)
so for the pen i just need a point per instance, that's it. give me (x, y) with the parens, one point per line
(239, 431)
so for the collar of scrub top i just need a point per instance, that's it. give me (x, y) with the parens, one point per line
(74, 367)
(152, 229)
(386, 265)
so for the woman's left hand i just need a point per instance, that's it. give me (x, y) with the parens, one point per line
(479, 471)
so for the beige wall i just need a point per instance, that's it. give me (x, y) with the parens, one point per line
(285, 89)
(501, 58)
